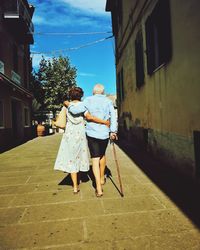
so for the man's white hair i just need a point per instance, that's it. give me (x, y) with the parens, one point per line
(98, 89)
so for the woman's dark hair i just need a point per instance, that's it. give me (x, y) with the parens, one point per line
(76, 93)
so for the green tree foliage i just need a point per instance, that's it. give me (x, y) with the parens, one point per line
(52, 82)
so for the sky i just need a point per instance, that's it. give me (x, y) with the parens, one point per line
(94, 63)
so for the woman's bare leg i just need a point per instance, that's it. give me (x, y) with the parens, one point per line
(75, 181)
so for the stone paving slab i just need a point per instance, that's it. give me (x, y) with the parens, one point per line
(5, 200)
(41, 234)
(62, 211)
(11, 215)
(43, 178)
(139, 224)
(42, 198)
(141, 203)
(13, 180)
(38, 209)
(18, 189)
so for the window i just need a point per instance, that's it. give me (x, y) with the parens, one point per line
(1, 114)
(15, 58)
(117, 16)
(120, 85)
(158, 36)
(26, 117)
(139, 60)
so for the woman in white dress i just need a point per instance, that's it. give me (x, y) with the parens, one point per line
(73, 153)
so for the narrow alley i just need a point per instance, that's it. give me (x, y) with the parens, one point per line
(40, 211)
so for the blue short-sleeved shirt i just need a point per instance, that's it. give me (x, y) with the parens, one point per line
(101, 107)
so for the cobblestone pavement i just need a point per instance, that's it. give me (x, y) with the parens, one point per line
(39, 211)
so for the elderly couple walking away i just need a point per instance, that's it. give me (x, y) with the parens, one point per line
(101, 124)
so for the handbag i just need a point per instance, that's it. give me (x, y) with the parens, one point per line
(61, 119)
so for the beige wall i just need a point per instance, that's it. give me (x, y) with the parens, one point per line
(169, 101)
(170, 98)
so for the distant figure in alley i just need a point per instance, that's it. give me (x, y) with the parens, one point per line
(98, 135)
(73, 156)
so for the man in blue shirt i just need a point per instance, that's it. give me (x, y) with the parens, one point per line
(98, 134)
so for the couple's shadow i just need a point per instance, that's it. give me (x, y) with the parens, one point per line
(85, 177)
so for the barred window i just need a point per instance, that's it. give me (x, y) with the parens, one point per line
(158, 36)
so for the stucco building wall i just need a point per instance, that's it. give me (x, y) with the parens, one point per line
(165, 111)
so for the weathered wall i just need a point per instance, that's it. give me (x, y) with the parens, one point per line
(168, 105)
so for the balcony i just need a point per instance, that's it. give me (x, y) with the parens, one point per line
(17, 16)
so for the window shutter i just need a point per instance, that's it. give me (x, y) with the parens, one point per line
(150, 45)
(166, 32)
(139, 60)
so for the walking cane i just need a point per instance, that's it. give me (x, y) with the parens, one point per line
(117, 165)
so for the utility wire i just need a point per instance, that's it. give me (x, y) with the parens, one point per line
(74, 48)
(69, 33)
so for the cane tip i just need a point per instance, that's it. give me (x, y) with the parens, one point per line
(122, 195)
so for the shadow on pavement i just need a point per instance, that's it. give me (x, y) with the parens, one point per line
(183, 192)
(85, 177)
(82, 177)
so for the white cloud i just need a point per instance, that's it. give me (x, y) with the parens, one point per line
(36, 58)
(65, 13)
(38, 19)
(94, 6)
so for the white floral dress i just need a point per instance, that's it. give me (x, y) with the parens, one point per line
(73, 152)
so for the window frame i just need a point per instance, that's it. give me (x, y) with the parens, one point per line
(158, 45)
(139, 60)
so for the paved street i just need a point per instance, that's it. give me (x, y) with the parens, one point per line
(39, 210)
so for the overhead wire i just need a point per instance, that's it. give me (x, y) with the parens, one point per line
(73, 48)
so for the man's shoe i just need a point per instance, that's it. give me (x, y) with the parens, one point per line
(76, 191)
(103, 182)
(98, 195)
